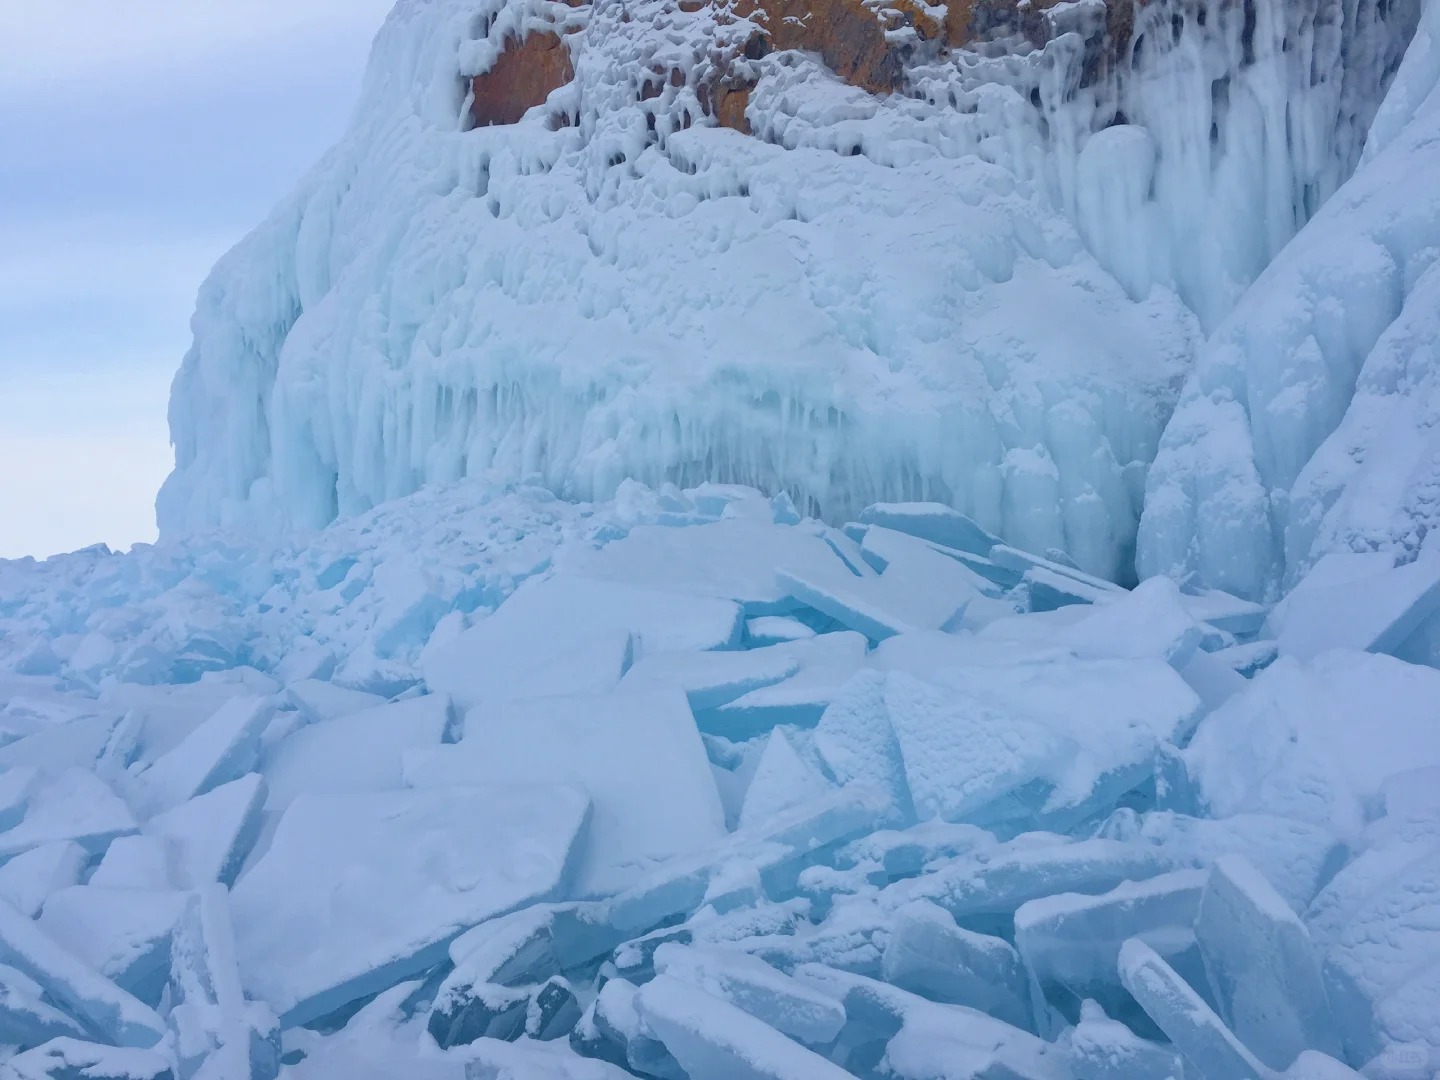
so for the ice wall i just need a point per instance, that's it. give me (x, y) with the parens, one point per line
(967, 290)
(1309, 423)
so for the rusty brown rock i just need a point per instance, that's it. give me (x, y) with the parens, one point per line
(523, 77)
(847, 35)
(730, 106)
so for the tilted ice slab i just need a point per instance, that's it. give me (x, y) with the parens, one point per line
(1308, 423)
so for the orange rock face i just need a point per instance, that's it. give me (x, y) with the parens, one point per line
(849, 37)
(522, 78)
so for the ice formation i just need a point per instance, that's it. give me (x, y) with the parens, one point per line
(423, 767)
(648, 788)
(1306, 426)
(884, 252)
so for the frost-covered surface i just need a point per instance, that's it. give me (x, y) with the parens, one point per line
(969, 291)
(664, 812)
(1308, 424)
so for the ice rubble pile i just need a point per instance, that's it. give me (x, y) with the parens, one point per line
(717, 792)
(939, 254)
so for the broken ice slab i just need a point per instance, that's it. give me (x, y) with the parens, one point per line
(492, 991)
(502, 654)
(1061, 741)
(26, 1019)
(318, 700)
(782, 779)
(217, 1032)
(715, 1040)
(1073, 941)
(28, 878)
(733, 559)
(1306, 741)
(490, 1059)
(1262, 965)
(884, 548)
(74, 1059)
(906, 852)
(924, 1040)
(106, 1009)
(1210, 1048)
(1149, 621)
(1243, 618)
(71, 805)
(1375, 925)
(611, 1030)
(779, 849)
(791, 1007)
(934, 522)
(827, 661)
(1356, 601)
(133, 862)
(712, 679)
(878, 546)
(357, 891)
(773, 629)
(479, 1011)
(637, 754)
(858, 743)
(924, 592)
(1313, 1065)
(1099, 1048)
(996, 883)
(928, 954)
(220, 749)
(961, 753)
(358, 752)
(208, 838)
(123, 933)
(1298, 858)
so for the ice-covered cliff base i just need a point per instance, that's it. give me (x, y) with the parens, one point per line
(861, 253)
(481, 784)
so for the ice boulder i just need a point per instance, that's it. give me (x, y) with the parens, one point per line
(638, 755)
(26, 1018)
(1104, 1049)
(357, 891)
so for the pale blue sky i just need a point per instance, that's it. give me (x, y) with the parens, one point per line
(139, 139)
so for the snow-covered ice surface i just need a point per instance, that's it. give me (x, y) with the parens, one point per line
(1046, 843)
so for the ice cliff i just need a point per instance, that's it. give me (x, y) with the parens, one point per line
(854, 250)
(1308, 425)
